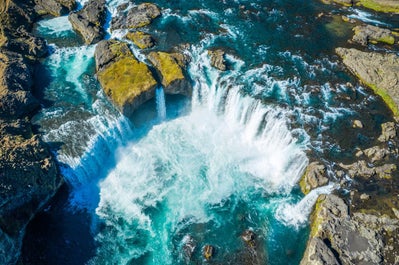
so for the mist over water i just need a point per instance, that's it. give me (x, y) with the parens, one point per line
(202, 169)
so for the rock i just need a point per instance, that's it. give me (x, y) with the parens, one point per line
(314, 176)
(386, 6)
(342, 2)
(248, 236)
(25, 43)
(376, 70)
(376, 153)
(217, 59)
(208, 252)
(126, 81)
(141, 39)
(352, 239)
(365, 196)
(54, 7)
(89, 21)
(388, 132)
(366, 34)
(171, 72)
(188, 247)
(362, 170)
(357, 124)
(136, 17)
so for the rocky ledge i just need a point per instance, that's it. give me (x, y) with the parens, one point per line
(89, 21)
(387, 6)
(377, 70)
(28, 173)
(136, 17)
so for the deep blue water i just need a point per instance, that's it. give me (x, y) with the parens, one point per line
(207, 167)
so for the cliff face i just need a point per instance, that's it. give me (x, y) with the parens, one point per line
(28, 173)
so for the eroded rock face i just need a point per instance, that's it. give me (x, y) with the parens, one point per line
(366, 34)
(89, 21)
(217, 59)
(315, 176)
(141, 39)
(126, 81)
(376, 70)
(136, 17)
(171, 71)
(54, 7)
(355, 238)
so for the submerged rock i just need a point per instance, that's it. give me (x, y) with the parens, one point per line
(188, 247)
(136, 17)
(366, 34)
(378, 71)
(54, 7)
(126, 81)
(170, 68)
(249, 238)
(89, 21)
(217, 59)
(208, 252)
(315, 176)
(141, 39)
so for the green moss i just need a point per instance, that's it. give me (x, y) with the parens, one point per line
(125, 80)
(385, 97)
(387, 39)
(167, 66)
(140, 39)
(380, 6)
(316, 219)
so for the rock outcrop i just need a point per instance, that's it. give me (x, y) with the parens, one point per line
(170, 66)
(136, 17)
(387, 6)
(378, 71)
(126, 81)
(54, 7)
(141, 39)
(89, 21)
(217, 59)
(315, 176)
(28, 173)
(365, 34)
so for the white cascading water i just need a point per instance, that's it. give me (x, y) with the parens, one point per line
(161, 104)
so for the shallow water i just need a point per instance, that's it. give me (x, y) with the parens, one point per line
(209, 167)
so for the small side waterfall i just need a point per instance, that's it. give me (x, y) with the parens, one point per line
(161, 105)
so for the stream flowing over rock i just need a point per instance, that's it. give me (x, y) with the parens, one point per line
(89, 21)
(378, 71)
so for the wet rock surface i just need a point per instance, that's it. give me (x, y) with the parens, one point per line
(126, 81)
(217, 59)
(89, 21)
(136, 17)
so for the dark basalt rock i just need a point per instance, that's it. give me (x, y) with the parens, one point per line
(136, 17)
(54, 7)
(89, 21)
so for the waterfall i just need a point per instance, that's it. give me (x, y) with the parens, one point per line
(161, 105)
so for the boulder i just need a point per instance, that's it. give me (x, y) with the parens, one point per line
(89, 21)
(27, 44)
(315, 176)
(141, 39)
(126, 81)
(378, 71)
(338, 237)
(208, 252)
(357, 124)
(169, 66)
(217, 59)
(362, 169)
(388, 132)
(54, 7)
(136, 17)
(365, 34)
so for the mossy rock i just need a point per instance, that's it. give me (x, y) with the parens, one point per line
(141, 39)
(129, 83)
(386, 6)
(170, 68)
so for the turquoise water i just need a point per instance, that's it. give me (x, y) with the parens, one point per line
(206, 168)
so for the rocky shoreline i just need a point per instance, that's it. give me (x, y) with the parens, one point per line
(29, 175)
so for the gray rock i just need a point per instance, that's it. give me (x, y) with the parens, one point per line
(54, 7)
(89, 21)
(318, 253)
(136, 17)
(141, 39)
(388, 132)
(378, 71)
(366, 34)
(217, 59)
(314, 176)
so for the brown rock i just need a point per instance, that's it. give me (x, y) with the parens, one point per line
(366, 34)
(137, 17)
(314, 176)
(208, 252)
(217, 59)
